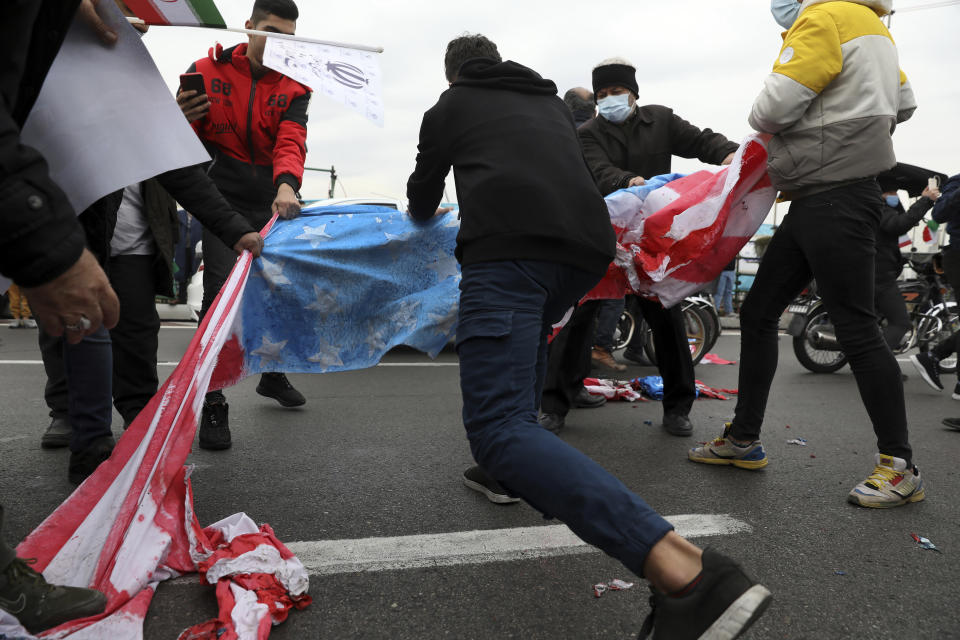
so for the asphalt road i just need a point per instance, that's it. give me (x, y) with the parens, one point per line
(379, 452)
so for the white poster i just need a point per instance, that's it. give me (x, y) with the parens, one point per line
(105, 118)
(348, 76)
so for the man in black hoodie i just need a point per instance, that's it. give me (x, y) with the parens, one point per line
(534, 237)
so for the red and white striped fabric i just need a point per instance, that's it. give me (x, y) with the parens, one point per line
(674, 240)
(131, 525)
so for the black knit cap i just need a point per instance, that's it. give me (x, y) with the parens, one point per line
(610, 75)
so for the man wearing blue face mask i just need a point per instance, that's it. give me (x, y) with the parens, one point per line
(624, 144)
(831, 103)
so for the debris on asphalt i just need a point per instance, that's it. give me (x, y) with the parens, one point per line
(712, 358)
(614, 585)
(706, 391)
(925, 543)
(798, 441)
(840, 573)
(648, 422)
(650, 386)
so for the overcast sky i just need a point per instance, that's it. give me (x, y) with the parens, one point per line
(706, 60)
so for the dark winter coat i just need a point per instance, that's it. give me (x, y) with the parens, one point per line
(524, 190)
(643, 145)
(947, 210)
(894, 222)
(39, 234)
(194, 190)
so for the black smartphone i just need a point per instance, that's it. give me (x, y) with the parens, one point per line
(192, 82)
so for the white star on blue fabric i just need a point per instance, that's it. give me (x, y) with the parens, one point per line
(445, 266)
(375, 341)
(406, 315)
(268, 350)
(316, 235)
(326, 303)
(444, 323)
(272, 272)
(327, 355)
(454, 221)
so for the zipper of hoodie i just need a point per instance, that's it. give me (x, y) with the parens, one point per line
(253, 93)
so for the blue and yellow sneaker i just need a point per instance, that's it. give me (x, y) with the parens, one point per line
(723, 451)
(891, 484)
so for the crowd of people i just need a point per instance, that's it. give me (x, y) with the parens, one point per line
(531, 172)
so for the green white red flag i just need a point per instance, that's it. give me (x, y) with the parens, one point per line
(182, 13)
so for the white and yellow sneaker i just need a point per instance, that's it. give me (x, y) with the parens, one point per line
(890, 485)
(723, 451)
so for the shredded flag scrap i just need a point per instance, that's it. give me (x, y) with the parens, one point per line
(676, 233)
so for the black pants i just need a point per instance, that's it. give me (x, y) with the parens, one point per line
(673, 355)
(568, 360)
(889, 304)
(829, 236)
(135, 338)
(951, 269)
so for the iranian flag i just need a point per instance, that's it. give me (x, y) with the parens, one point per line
(181, 13)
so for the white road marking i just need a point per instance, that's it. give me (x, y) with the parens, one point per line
(326, 557)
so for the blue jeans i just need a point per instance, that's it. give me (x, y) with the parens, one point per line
(607, 320)
(724, 295)
(506, 312)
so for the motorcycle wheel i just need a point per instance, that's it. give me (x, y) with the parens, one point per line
(696, 326)
(626, 326)
(813, 359)
(935, 328)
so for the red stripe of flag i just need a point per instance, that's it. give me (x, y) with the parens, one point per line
(145, 10)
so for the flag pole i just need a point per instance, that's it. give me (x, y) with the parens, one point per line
(273, 34)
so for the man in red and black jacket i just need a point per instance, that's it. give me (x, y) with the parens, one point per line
(253, 121)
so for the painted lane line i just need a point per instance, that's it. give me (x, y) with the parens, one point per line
(328, 557)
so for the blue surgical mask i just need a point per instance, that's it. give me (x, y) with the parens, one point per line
(892, 201)
(785, 12)
(615, 108)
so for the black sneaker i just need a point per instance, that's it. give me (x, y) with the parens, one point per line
(276, 386)
(552, 422)
(929, 368)
(721, 606)
(215, 426)
(475, 478)
(85, 462)
(38, 605)
(57, 434)
(586, 400)
(677, 425)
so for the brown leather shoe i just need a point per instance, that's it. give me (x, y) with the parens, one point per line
(603, 358)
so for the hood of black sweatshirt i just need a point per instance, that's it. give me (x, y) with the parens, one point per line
(486, 73)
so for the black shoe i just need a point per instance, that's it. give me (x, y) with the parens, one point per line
(929, 368)
(57, 434)
(276, 386)
(677, 425)
(552, 422)
(475, 478)
(723, 604)
(586, 400)
(953, 423)
(215, 426)
(636, 355)
(38, 605)
(85, 462)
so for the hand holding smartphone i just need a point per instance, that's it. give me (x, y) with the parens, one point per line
(192, 82)
(196, 105)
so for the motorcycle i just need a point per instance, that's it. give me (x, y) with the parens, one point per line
(932, 318)
(700, 319)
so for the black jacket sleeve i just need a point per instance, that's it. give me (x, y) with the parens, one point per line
(895, 223)
(193, 188)
(947, 207)
(40, 237)
(606, 174)
(425, 186)
(690, 142)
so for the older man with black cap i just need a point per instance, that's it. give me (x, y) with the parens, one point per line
(624, 144)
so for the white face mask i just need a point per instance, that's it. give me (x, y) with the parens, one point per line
(785, 12)
(615, 108)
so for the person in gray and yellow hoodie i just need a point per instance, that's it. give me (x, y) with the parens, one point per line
(834, 97)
